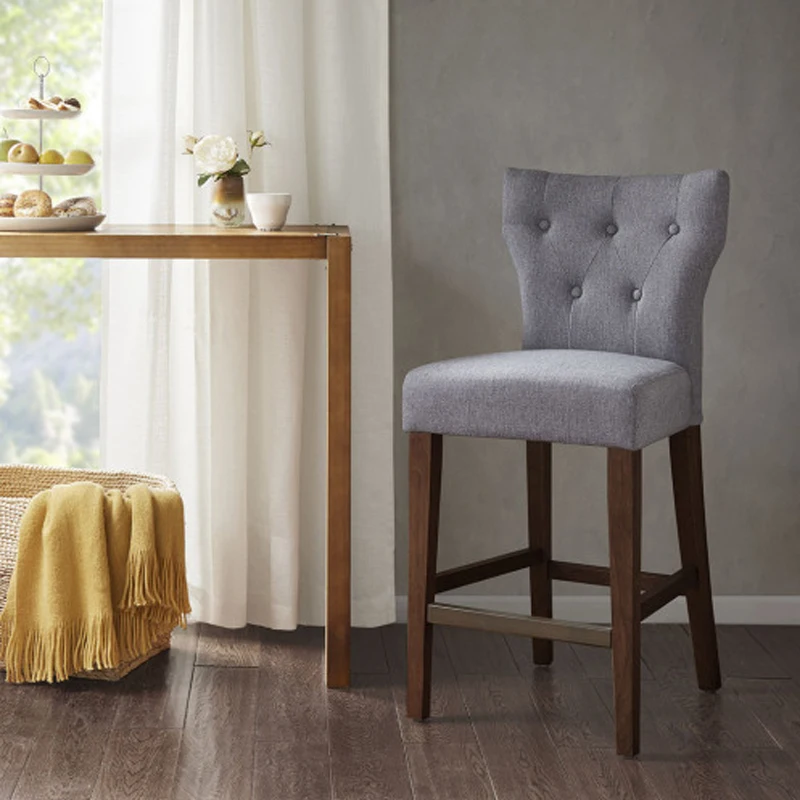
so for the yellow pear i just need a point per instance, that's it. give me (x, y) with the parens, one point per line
(23, 154)
(5, 146)
(51, 157)
(78, 157)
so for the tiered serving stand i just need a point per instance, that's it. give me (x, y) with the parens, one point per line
(41, 67)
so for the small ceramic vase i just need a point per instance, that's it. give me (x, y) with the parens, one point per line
(227, 202)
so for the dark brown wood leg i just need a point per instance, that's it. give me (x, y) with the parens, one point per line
(337, 615)
(625, 542)
(687, 485)
(425, 482)
(540, 533)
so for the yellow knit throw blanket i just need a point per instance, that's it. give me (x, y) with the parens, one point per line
(100, 575)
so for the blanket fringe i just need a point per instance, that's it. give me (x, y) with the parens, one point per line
(156, 600)
(55, 654)
(156, 586)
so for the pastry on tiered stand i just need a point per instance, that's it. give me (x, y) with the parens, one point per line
(34, 210)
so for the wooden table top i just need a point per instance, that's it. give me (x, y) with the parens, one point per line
(174, 241)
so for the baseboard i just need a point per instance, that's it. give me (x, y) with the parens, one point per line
(728, 609)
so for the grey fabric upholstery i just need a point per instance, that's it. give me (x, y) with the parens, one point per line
(618, 265)
(570, 396)
(656, 237)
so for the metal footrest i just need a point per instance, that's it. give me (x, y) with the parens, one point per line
(520, 625)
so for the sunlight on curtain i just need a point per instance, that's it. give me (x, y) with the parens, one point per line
(214, 372)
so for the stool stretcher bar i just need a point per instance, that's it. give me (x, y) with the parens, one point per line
(657, 590)
(520, 625)
(670, 587)
(483, 570)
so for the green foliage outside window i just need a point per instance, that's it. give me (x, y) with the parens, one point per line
(49, 309)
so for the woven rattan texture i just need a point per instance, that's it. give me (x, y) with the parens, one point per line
(19, 484)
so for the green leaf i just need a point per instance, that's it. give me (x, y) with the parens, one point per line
(241, 167)
(205, 178)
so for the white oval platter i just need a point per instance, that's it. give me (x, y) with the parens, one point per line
(7, 168)
(49, 224)
(36, 113)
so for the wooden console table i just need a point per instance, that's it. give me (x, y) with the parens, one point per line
(323, 243)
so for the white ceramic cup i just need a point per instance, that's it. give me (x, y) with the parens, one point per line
(268, 209)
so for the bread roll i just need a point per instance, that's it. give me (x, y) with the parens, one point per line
(76, 207)
(33, 203)
(7, 205)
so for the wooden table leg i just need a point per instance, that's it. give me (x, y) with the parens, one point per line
(337, 621)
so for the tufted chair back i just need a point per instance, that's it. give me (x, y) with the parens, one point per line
(617, 263)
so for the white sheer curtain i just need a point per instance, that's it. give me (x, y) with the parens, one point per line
(214, 372)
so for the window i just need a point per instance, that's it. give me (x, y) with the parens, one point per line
(50, 309)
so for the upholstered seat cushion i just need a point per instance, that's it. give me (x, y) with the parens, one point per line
(568, 396)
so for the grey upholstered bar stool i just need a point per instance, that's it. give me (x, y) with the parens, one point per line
(613, 272)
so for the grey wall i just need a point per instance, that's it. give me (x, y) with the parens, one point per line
(605, 86)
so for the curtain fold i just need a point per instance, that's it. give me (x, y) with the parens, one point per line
(214, 372)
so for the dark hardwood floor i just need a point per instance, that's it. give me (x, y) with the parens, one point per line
(243, 714)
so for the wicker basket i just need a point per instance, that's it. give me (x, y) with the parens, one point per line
(18, 485)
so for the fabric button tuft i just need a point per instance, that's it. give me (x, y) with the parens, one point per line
(544, 224)
(611, 229)
(673, 228)
(636, 294)
(576, 292)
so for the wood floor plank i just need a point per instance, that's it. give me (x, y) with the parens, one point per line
(293, 771)
(26, 710)
(667, 653)
(720, 720)
(449, 772)
(601, 774)
(222, 699)
(641, 786)
(572, 710)
(693, 777)
(84, 705)
(138, 765)
(523, 761)
(449, 722)
(743, 656)
(783, 644)
(568, 703)
(215, 761)
(156, 695)
(765, 775)
(229, 647)
(14, 752)
(291, 704)
(479, 653)
(64, 765)
(214, 765)
(777, 706)
(367, 756)
(664, 725)
(368, 656)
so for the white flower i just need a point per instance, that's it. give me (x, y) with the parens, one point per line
(188, 143)
(257, 139)
(215, 154)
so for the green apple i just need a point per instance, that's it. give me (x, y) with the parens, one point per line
(5, 146)
(23, 154)
(78, 157)
(51, 157)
